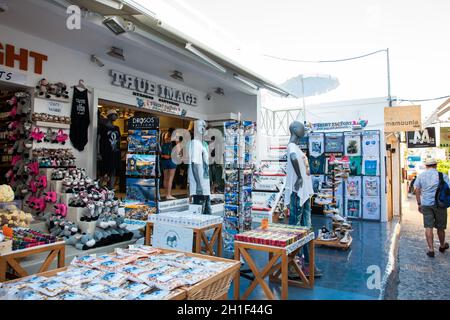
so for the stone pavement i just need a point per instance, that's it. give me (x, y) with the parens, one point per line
(420, 277)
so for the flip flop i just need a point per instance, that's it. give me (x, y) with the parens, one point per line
(446, 246)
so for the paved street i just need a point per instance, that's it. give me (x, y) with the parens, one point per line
(420, 277)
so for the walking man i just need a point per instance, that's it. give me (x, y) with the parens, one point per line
(433, 217)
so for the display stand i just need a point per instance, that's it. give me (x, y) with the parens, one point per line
(239, 159)
(275, 271)
(202, 244)
(335, 225)
(214, 288)
(12, 259)
(142, 170)
(335, 244)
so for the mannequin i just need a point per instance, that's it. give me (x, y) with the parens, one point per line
(198, 173)
(109, 146)
(299, 188)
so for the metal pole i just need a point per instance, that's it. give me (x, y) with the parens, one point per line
(303, 97)
(388, 77)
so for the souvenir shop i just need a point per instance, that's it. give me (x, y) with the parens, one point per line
(83, 171)
(368, 186)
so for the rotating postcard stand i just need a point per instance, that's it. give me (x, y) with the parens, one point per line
(238, 159)
(142, 172)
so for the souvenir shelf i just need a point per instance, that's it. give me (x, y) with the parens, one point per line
(239, 160)
(269, 181)
(142, 170)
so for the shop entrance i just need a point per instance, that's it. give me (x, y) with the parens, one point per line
(167, 169)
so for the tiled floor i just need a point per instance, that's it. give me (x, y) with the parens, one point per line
(344, 272)
(420, 277)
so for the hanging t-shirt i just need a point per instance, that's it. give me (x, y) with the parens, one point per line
(352, 144)
(334, 143)
(371, 145)
(355, 165)
(316, 144)
(109, 148)
(317, 164)
(371, 167)
(80, 119)
(199, 154)
(306, 190)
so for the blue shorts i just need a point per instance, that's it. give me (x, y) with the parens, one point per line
(168, 164)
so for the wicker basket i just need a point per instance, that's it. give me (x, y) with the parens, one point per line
(216, 288)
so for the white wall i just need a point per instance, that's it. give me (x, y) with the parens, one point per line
(69, 66)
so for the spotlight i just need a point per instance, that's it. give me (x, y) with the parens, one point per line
(118, 25)
(219, 91)
(116, 53)
(3, 6)
(177, 75)
(97, 61)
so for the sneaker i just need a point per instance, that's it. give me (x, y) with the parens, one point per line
(430, 254)
(446, 246)
(338, 217)
(328, 236)
(346, 238)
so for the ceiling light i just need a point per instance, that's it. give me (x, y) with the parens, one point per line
(116, 53)
(97, 61)
(3, 6)
(205, 58)
(220, 92)
(111, 3)
(177, 75)
(276, 90)
(115, 24)
(247, 82)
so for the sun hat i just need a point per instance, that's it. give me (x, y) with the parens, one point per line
(430, 162)
(110, 112)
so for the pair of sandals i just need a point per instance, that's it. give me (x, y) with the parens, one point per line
(446, 247)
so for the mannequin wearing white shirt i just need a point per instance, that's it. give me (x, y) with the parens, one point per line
(299, 188)
(198, 173)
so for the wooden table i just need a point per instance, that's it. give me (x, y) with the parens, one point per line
(276, 271)
(202, 244)
(214, 288)
(12, 259)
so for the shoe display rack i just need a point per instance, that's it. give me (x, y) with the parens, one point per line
(142, 172)
(339, 234)
(239, 163)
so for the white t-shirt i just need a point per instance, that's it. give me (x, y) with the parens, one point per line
(306, 191)
(198, 154)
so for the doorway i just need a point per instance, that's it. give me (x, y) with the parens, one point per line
(166, 126)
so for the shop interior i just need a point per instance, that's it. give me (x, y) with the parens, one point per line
(167, 125)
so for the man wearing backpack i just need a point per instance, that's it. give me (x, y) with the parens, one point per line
(434, 215)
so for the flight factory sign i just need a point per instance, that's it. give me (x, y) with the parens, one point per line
(144, 87)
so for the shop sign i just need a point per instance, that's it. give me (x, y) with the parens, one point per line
(339, 125)
(12, 77)
(445, 137)
(421, 138)
(160, 107)
(403, 118)
(143, 123)
(143, 86)
(9, 55)
(167, 236)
